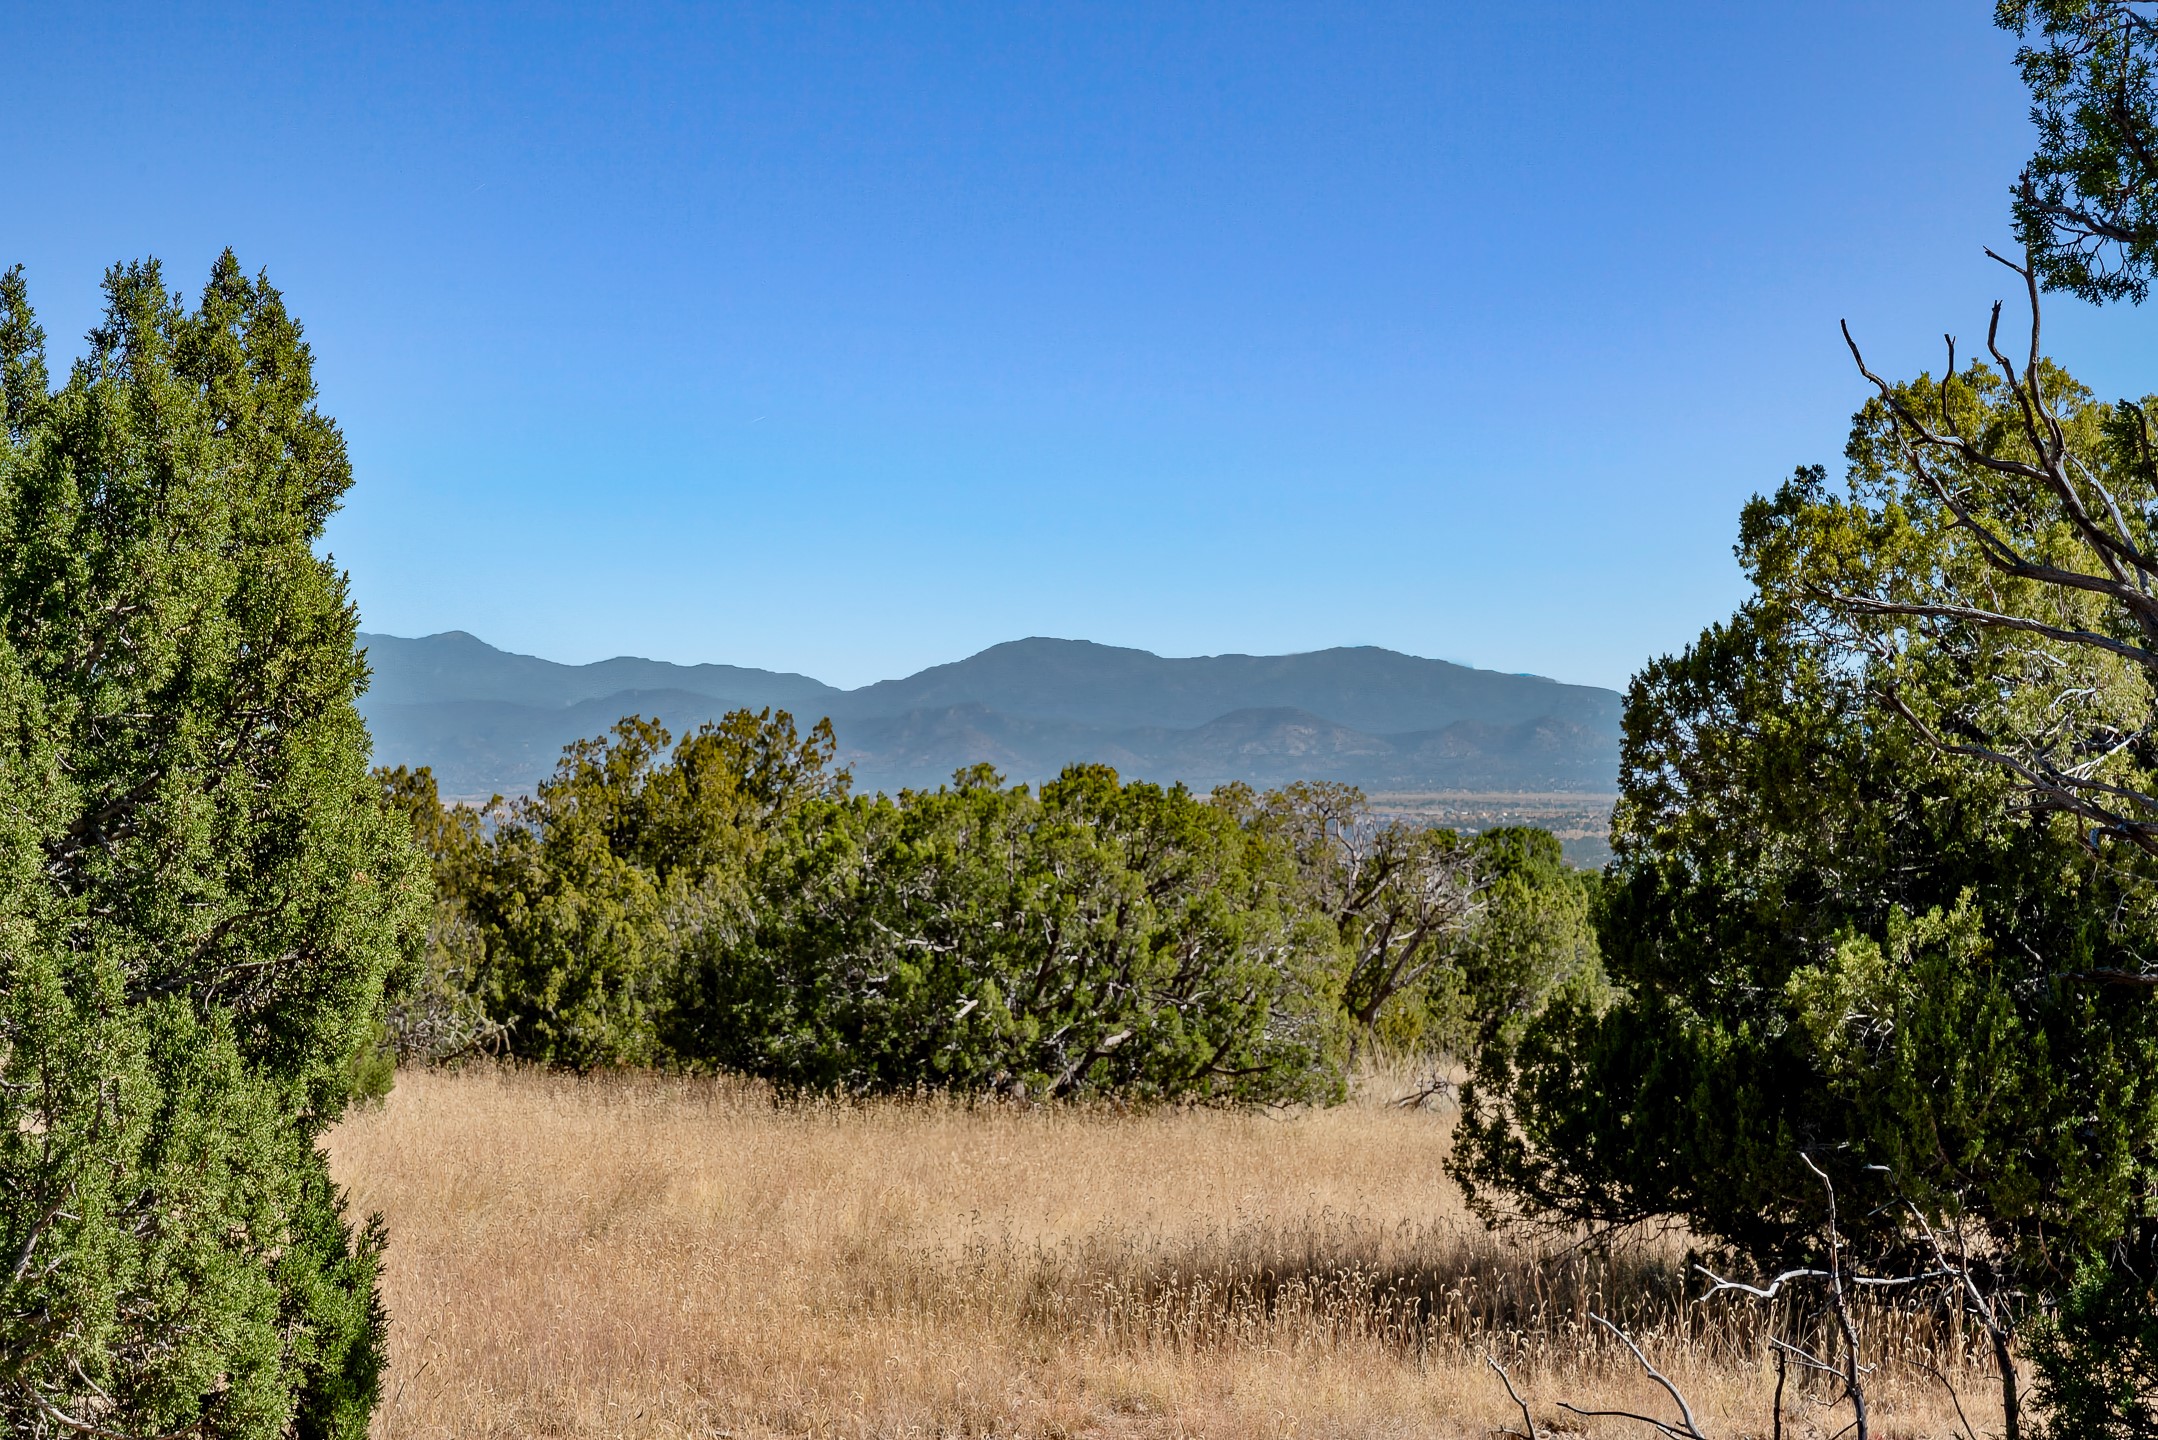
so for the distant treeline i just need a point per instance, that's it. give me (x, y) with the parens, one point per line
(726, 903)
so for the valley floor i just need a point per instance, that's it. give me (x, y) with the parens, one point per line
(1581, 821)
(672, 1258)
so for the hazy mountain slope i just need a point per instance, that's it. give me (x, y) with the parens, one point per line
(1362, 687)
(489, 721)
(457, 666)
(483, 747)
(922, 748)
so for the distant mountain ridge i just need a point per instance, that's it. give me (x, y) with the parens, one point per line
(489, 721)
(458, 666)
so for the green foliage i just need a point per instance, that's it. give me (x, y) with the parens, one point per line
(1446, 944)
(1831, 935)
(1399, 897)
(199, 901)
(2086, 206)
(1531, 945)
(1102, 937)
(2096, 1356)
(436, 1015)
(333, 1305)
(1942, 574)
(728, 904)
(1838, 925)
(1868, 900)
(371, 1069)
(571, 918)
(1987, 575)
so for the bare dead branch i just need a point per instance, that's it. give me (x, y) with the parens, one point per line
(1854, 1386)
(1507, 1380)
(1953, 1399)
(1689, 1426)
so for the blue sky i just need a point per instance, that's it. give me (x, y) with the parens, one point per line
(854, 339)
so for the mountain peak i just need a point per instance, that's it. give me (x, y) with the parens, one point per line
(490, 720)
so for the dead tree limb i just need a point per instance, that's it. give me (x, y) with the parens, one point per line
(2067, 763)
(1686, 1429)
(1508, 1381)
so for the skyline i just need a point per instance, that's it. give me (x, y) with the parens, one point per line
(847, 343)
(367, 634)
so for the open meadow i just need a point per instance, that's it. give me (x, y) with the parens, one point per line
(654, 1257)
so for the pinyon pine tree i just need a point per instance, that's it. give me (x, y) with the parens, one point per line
(200, 899)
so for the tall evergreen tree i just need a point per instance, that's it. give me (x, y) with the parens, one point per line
(201, 899)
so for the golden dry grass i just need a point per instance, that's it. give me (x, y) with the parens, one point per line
(672, 1258)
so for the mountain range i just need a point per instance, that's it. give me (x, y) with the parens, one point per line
(489, 721)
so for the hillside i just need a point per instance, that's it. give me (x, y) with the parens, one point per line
(489, 721)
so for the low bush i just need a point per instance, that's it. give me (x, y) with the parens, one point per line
(728, 904)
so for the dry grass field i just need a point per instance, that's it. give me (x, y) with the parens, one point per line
(673, 1258)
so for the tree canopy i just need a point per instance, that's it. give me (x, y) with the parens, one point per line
(200, 900)
(1882, 891)
(2086, 206)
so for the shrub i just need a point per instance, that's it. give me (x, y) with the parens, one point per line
(1100, 938)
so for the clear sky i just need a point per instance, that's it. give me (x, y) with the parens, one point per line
(854, 339)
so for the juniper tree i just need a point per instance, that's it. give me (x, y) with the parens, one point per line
(2086, 206)
(1883, 888)
(1101, 937)
(575, 911)
(200, 898)
(1401, 896)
